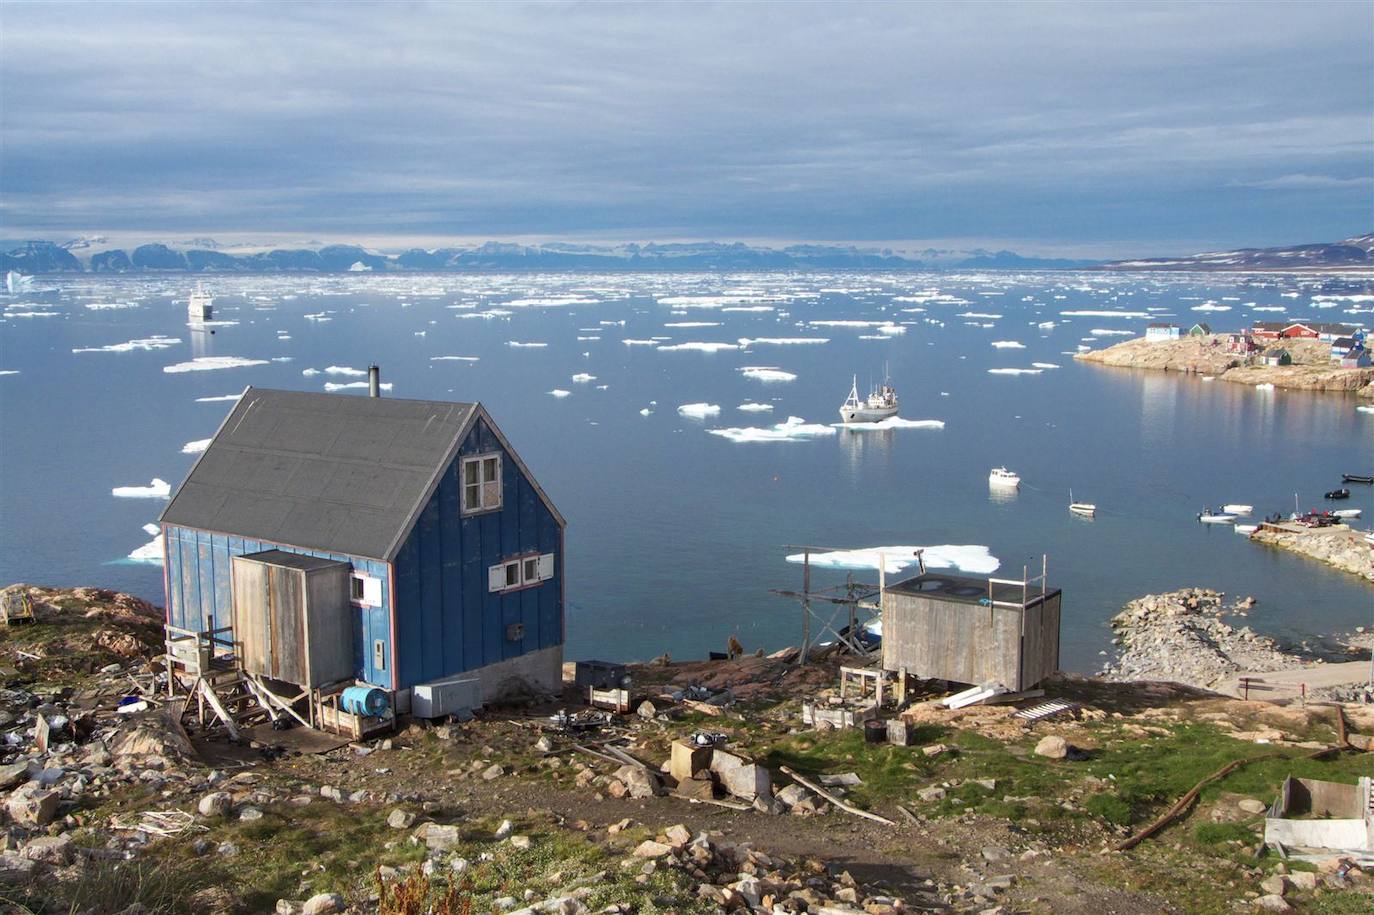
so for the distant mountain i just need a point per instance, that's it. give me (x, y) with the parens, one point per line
(204, 255)
(1351, 252)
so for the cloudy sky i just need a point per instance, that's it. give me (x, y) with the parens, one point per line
(1132, 128)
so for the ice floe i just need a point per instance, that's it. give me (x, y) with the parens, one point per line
(630, 342)
(1210, 306)
(218, 397)
(980, 314)
(454, 358)
(1008, 344)
(154, 342)
(893, 422)
(353, 385)
(767, 373)
(196, 447)
(692, 324)
(751, 407)
(151, 552)
(696, 346)
(583, 378)
(559, 392)
(792, 429)
(157, 489)
(1014, 371)
(782, 341)
(1045, 365)
(516, 344)
(211, 363)
(698, 410)
(345, 371)
(970, 558)
(109, 306)
(1106, 314)
(1107, 332)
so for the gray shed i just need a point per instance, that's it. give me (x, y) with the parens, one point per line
(972, 630)
(292, 617)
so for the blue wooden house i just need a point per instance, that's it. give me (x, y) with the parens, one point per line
(451, 552)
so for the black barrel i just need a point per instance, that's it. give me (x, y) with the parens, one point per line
(875, 731)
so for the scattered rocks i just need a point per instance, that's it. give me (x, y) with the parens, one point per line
(323, 904)
(400, 819)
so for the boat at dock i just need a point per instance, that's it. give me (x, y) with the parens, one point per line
(1086, 509)
(1001, 476)
(1357, 478)
(1210, 516)
(1237, 509)
(880, 404)
(200, 306)
(1246, 529)
(1347, 512)
(1337, 494)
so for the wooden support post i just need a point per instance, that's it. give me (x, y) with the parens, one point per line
(806, 608)
(224, 716)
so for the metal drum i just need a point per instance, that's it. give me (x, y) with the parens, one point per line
(364, 700)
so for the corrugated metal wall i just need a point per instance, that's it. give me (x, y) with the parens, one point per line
(198, 590)
(448, 622)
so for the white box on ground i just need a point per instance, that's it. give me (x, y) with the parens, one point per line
(445, 697)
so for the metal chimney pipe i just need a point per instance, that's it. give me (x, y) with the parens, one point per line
(374, 381)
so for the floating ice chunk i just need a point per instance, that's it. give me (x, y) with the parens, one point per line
(551, 302)
(692, 324)
(150, 552)
(751, 407)
(1278, 308)
(748, 308)
(559, 392)
(9, 371)
(210, 363)
(588, 339)
(308, 373)
(893, 422)
(319, 317)
(629, 342)
(345, 370)
(782, 341)
(1210, 306)
(696, 346)
(156, 341)
(195, 447)
(768, 374)
(970, 558)
(1008, 344)
(218, 397)
(454, 358)
(1045, 365)
(352, 385)
(698, 410)
(157, 489)
(1264, 386)
(645, 412)
(1014, 371)
(516, 344)
(978, 314)
(150, 529)
(1046, 325)
(1105, 332)
(107, 306)
(583, 378)
(793, 429)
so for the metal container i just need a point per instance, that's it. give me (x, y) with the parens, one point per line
(364, 700)
(875, 731)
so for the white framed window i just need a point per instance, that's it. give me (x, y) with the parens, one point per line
(365, 590)
(523, 572)
(481, 483)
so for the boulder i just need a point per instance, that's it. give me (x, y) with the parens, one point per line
(638, 781)
(741, 777)
(55, 850)
(30, 805)
(687, 759)
(16, 868)
(14, 775)
(1274, 886)
(216, 803)
(1273, 903)
(1303, 880)
(651, 849)
(400, 819)
(1250, 805)
(1052, 747)
(323, 904)
(440, 837)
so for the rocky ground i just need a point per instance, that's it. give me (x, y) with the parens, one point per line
(1339, 546)
(111, 812)
(1312, 369)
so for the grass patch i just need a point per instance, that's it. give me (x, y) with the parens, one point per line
(1222, 833)
(105, 887)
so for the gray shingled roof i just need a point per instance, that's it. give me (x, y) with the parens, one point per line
(321, 471)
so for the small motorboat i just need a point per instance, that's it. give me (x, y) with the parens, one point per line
(1001, 476)
(1086, 509)
(1237, 509)
(1357, 478)
(1216, 516)
(1246, 529)
(1338, 494)
(1347, 513)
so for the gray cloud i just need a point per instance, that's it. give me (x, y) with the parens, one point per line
(1058, 123)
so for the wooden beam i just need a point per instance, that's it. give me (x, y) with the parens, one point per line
(835, 800)
(224, 716)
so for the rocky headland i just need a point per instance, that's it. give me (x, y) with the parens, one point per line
(1339, 546)
(1312, 369)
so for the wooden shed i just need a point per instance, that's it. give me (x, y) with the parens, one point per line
(292, 618)
(972, 630)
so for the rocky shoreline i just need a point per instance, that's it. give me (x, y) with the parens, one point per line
(1311, 370)
(1184, 637)
(1341, 547)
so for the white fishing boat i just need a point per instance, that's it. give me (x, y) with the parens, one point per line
(1001, 476)
(1347, 512)
(200, 306)
(1237, 509)
(880, 403)
(1246, 529)
(1210, 516)
(1087, 509)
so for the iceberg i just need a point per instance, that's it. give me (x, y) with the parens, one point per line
(196, 447)
(697, 347)
(157, 489)
(692, 324)
(559, 392)
(210, 363)
(893, 422)
(583, 378)
(1107, 314)
(1014, 371)
(1045, 365)
(150, 552)
(975, 559)
(454, 358)
(516, 344)
(629, 342)
(147, 343)
(1008, 344)
(353, 385)
(218, 398)
(793, 429)
(345, 370)
(698, 410)
(782, 341)
(768, 374)
(755, 408)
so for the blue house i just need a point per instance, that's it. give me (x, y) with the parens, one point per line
(453, 554)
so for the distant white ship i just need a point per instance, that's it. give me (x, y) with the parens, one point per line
(1001, 476)
(200, 307)
(16, 282)
(879, 405)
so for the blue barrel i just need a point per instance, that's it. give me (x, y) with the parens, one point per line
(364, 700)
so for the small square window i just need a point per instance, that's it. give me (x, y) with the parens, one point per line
(355, 588)
(512, 575)
(481, 483)
(531, 570)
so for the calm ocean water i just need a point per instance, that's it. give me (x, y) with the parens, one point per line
(676, 535)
